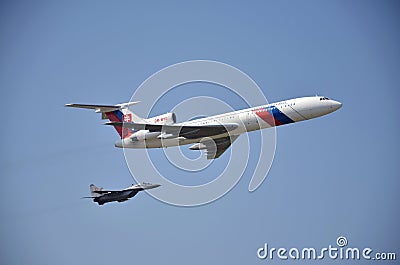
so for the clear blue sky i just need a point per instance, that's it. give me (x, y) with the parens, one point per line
(336, 175)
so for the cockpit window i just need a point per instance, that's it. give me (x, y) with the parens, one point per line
(324, 98)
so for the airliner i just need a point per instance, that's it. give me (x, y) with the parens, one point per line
(214, 134)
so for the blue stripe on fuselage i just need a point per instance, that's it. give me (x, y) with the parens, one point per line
(279, 115)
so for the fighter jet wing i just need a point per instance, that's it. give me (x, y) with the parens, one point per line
(187, 131)
(134, 192)
(215, 148)
(102, 192)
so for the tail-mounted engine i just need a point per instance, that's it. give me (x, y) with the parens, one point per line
(144, 135)
(164, 119)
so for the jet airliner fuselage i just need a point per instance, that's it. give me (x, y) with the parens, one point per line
(255, 118)
(213, 134)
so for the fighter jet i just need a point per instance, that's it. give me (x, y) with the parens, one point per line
(102, 196)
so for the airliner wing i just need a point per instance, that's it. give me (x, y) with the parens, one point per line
(187, 131)
(216, 148)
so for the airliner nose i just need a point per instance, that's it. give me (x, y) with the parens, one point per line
(336, 105)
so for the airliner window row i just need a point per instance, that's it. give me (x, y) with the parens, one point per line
(269, 108)
(290, 104)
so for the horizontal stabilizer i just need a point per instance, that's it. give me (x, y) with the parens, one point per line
(102, 108)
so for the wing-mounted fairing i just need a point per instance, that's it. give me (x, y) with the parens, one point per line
(215, 147)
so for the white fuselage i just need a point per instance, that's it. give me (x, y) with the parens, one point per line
(254, 118)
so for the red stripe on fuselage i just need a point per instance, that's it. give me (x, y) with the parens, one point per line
(267, 117)
(123, 132)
